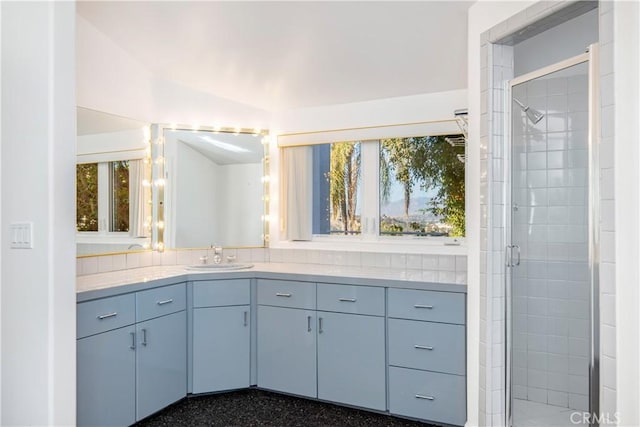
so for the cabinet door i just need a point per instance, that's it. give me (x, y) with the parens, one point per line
(106, 378)
(287, 350)
(351, 360)
(221, 338)
(161, 374)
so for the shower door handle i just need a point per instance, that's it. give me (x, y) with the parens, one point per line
(510, 249)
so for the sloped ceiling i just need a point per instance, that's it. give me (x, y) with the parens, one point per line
(286, 55)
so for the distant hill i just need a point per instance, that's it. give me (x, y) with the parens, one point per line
(395, 208)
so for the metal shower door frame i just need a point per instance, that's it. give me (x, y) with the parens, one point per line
(591, 57)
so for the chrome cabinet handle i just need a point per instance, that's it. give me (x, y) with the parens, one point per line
(106, 316)
(280, 294)
(144, 337)
(422, 396)
(423, 306)
(133, 341)
(423, 347)
(347, 299)
(246, 313)
(167, 301)
(308, 323)
(319, 325)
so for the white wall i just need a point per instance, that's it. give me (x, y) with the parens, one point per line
(111, 80)
(110, 142)
(243, 207)
(38, 163)
(483, 15)
(626, 34)
(196, 193)
(568, 39)
(405, 109)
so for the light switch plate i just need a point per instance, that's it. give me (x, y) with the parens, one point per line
(21, 235)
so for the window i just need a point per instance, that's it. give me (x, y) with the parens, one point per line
(336, 188)
(119, 196)
(422, 186)
(412, 187)
(102, 197)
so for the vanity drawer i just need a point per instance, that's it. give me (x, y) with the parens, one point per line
(105, 314)
(424, 345)
(447, 307)
(427, 395)
(351, 299)
(216, 293)
(287, 293)
(160, 301)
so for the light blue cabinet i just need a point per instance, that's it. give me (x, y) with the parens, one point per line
(127, 373)
(287, 350)
(106, 378)
(221, 348)
(401, 350)
(161, 374)
(351, 359)
(427, 355)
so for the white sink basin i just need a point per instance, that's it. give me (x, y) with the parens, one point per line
(219, 267)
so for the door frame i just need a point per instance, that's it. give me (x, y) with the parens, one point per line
(591, 57)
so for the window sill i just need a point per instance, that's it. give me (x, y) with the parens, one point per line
(436, 246)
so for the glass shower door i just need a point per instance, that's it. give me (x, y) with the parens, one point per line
(550, 276)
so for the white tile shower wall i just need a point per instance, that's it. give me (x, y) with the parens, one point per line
(607, 265)
(551, 301)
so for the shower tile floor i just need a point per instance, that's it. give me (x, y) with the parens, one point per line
(534, 414)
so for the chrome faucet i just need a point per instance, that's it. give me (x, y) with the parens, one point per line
(217, 254)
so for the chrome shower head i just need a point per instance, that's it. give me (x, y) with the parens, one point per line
(534, 115)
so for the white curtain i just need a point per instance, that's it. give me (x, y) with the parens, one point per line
(136, 199)
(297, 188)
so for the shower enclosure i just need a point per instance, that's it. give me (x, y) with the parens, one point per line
(552, 258)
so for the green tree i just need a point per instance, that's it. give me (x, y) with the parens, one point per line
(396, 156)
(87, 197)
(344, 176)
(435, 162)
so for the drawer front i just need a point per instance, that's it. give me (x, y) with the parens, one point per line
(447, 307)
(427, 395)
(351, 299)
(217, 293)
(286, 293)
(160, 301)
(430, 346)
(105, 314)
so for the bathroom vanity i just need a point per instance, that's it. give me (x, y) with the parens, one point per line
(150, 336)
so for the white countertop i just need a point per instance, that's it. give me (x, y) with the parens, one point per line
(160, 275)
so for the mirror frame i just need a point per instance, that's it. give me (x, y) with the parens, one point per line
(159, 179)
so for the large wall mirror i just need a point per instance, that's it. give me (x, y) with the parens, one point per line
(113, 190)
(214, 188)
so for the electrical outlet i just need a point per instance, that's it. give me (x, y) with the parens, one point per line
(21, 235)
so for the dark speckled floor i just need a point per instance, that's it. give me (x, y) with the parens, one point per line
(260, 408)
